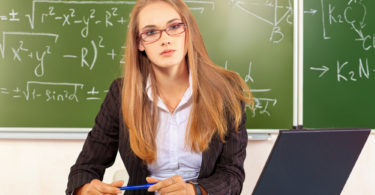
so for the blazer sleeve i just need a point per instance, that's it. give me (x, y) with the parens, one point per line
(101, 145)
(229, 174)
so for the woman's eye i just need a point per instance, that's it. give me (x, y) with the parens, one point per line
(175, 26)
(150, 32)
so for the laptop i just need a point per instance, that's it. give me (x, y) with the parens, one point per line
(311, 162)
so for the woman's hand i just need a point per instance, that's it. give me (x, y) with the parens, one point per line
(171, 186)
(97, 187)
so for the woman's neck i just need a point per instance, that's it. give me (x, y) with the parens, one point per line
(171, 79)
(171, 84)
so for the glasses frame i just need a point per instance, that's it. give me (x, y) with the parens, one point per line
(161, 31)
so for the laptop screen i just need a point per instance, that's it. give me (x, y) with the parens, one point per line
(311, 162)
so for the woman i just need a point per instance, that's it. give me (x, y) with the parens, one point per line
(176, 118)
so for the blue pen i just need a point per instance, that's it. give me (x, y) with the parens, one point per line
(136, 187)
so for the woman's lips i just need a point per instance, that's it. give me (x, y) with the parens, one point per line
(167, 52)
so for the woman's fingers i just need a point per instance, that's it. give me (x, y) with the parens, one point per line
(151, 180)
(177, 188)
(98, 187)
(176, 180)
(118, 183)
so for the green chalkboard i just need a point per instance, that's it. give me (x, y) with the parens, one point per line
(58, 58)
(339, 64)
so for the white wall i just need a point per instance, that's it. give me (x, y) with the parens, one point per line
(41, 167)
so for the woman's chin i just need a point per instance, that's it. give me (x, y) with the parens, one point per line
(167, 64)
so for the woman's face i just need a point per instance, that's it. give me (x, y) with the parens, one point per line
(169, 50)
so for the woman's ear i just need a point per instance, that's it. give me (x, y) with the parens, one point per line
(140, 46)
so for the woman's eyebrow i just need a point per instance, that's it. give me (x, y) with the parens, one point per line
(175, 19)
(152, 25)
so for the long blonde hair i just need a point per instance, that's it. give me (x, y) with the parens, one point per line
(217, 93)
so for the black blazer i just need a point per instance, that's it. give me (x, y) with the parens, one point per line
(221, 172)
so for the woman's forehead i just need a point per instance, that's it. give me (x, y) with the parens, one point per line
(157, 14)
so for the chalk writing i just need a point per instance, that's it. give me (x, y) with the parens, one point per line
(67, 18)
(346, 71)
(67, 91)
(62, 53)
(54, 92)
(199, 5)
(20, 51)
(276, 34)
(353, 16)
(262, 104)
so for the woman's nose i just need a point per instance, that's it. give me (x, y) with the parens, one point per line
(165, 38)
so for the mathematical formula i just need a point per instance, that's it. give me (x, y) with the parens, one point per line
(251, 7)
(69, 14)
(353, 16)
(262, 103)
(86, 28)
(348, 71)
(54, 92)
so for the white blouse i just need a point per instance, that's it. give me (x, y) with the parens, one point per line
(172, 157)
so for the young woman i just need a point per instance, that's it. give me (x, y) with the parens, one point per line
(176, 118)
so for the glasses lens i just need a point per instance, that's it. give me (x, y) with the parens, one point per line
(154, 35)
(151, 35)
(175, 29)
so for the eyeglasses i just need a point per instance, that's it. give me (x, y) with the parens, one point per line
(154, 35)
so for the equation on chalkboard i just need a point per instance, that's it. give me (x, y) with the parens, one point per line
(339, 69)
(58, 58)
